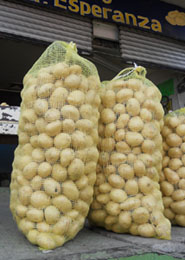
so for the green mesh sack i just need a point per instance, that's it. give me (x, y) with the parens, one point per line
(54, 168)
(127, 197)
(172, 181)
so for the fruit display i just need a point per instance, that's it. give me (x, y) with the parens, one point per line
(173, 178)
(54, 168)
(127, 196)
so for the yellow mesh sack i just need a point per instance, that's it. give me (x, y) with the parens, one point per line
(173, 178)
(54, 168)
(127, 197)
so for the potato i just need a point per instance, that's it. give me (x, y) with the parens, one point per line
(145, 185)
(147, 159)
(30, 170)
(60, 70)
(51, 187)
(107, 116)
(118, 195)
(180, 219)
(78, 140)
(98, 216)
(130, 204)
(70, 190)
(178, 207)
(52, 155)
(25, 225)
(29, 96)
(134, 139)
(59, 173)
(117, 158)
(112, 208)
(119, 135)
(134, 229)
(29, 116)
(51, 214)
(119, 109)
(44, 169)
(46, 241)
(38, 155)
(84, 125)
(182, 147)
(109, 220)
(24, 194)
(72, 81)
(178, 195)
(39, 199)
(167, 201)
(44, 141)
(35, 215)
(86, 194)
(126, 171)
(85, 111)
(168, 213)
(125, 219)
(103, 198)
(70, 112)
(40, 107)
(131, 187)
(45, 90)
(53, 128)
(174, 152)
(62, 203)
(122, 121)
(139, 168)
(140, 215)
(145, 115)
(167, 188)
(116, 181)
(133, 107)
(171, 176)
(23, 138)
(44, 77)
(105, 188)
(62, 141)
(146, 230)
(165, 161)
(148, 146)
(181, 184)
(36, 183)
(175, 164)
(76, 169)
(107, 144)
(123, 147)
(40, 125)
(135, 124)
(149, 130)
(181, 172)
(173, 140)
(82, 207)
(76, 98)
(173, 122)
(58, 98)
(124, 95)
(148, 202)
(109, 130)
(140, 96)
(32, 236)
(21, 211)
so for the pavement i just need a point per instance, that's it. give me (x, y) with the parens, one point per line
(90, 244)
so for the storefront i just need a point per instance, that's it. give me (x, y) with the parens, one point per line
(111, 34)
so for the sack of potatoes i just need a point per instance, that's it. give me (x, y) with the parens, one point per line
(54, 168)
(127, 196)
(173, 178)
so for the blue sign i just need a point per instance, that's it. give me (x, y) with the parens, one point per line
(149, 15)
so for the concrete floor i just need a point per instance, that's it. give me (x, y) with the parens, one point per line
(89, 244)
